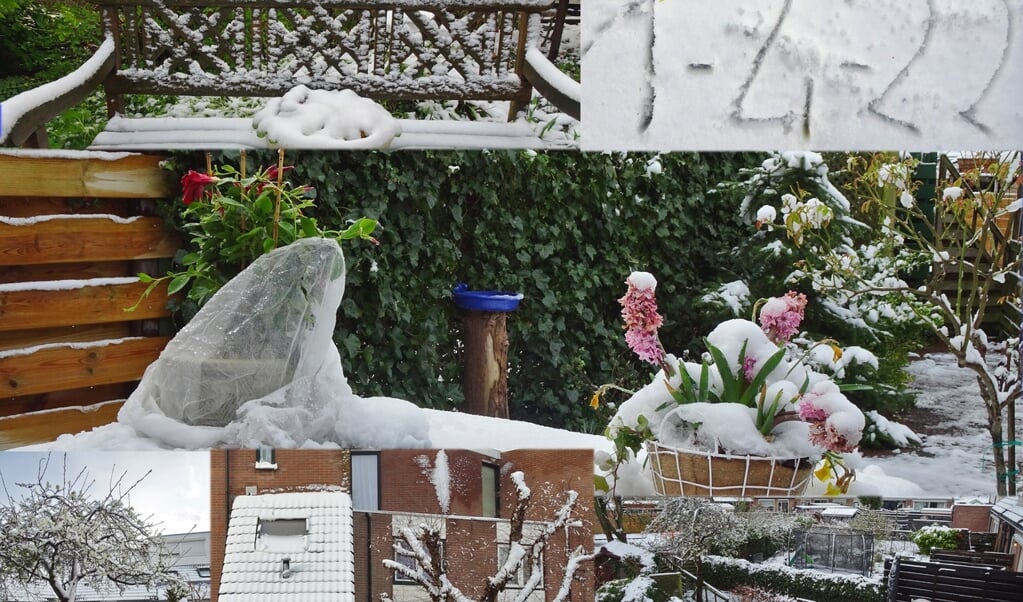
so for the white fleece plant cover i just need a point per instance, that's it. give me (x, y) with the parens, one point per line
(258, 365)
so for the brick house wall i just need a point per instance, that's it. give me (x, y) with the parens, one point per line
(470, 539)
(232, 471)
(974, 517)
(405, 488)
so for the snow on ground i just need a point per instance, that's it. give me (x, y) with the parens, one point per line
(952, 461)
(664, 75)
(955, 458)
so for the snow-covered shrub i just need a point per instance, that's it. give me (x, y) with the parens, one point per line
(726, 573)
(794, 211)
(934, 536)
(640, 589)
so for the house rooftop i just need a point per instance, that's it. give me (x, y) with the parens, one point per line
(1010, 510)
(289, 547)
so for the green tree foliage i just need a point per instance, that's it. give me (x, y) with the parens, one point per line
(564, 229)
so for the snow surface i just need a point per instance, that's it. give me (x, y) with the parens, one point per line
(325, 119)
(14, 109)
(29, 221)
(955, 459)
(742, 75)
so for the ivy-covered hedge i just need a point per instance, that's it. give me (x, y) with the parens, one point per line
(727, 573)
(565, 229)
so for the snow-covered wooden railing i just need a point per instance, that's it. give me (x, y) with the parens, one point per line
(72, 237)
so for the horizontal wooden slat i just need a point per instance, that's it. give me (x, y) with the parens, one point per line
(66, 271)
(81, 239)
(56, 369)
(116, 176)
(11, 406)
(39, 427)
(66, 334)
(21, 310)
(12, 206)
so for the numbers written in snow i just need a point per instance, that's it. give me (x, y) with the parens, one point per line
(788, 61)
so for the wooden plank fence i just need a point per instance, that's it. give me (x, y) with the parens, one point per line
(75, 228)
(910, 580)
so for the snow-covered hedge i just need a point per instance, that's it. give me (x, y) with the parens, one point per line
(726, 573)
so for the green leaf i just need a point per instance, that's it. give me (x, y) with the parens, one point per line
(190, 258)
(761, 376)
(177, 283)
(309, 229)
(263, 205)
(143, 277)
(268, 245)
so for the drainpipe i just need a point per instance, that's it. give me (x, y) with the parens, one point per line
(369, 558)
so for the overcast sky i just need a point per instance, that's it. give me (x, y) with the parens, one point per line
(175, 495)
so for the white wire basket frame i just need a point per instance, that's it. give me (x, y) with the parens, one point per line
(685, 472)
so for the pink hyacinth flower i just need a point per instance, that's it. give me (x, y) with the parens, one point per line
(639, 312)
(808, 412)
(749, 368)
(645, 345)
(780, 316)
(827, 436)
(639, 305)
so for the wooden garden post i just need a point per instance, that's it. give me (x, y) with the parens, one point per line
(485, 379)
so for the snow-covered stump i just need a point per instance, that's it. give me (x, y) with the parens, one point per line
(485, 381)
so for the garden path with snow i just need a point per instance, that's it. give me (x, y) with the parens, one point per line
(955, 458)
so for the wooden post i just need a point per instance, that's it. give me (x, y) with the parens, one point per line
(485, 381)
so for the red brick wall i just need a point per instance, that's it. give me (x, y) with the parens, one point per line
(405, 481)
(976, 518)
(549, 473)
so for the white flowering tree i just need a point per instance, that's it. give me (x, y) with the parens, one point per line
(430, 573)
(970, 258)
(60, 535)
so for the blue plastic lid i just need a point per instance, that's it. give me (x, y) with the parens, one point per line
(485, 300)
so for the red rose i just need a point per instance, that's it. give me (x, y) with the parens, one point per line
(193, 185)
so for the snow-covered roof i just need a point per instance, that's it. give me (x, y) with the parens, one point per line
(1008, 509)
(321, 561)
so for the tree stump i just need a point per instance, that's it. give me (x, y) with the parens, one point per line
(485, 381)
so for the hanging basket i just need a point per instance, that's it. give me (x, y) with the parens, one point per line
(679, 472)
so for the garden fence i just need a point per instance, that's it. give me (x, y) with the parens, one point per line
(74, 233)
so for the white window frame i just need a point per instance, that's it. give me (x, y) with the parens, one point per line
(266, 458)
(404, 556)
(356, 490)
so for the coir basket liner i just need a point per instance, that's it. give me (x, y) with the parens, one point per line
(688, 472)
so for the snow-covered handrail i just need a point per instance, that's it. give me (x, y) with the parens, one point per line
(25, 113)
(552, 83)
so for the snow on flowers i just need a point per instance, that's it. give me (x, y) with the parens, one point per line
(750, 393)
